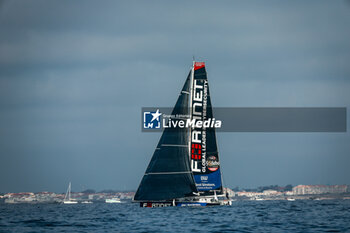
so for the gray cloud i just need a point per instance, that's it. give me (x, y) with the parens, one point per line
(74, 76)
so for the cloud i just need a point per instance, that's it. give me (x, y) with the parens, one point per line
(73, 78)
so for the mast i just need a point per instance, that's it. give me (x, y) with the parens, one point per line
(69, 189)
(68, 192)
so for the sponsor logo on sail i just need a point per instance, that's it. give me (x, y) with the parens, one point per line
(198, 135)
(213, 163)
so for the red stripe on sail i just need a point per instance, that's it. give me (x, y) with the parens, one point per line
(198, 65)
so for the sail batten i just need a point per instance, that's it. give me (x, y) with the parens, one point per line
(174, 145)
(159, 173)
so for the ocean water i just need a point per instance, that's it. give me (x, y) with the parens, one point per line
(242, 216)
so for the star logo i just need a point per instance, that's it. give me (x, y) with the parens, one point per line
(152, 120)
(156, 115)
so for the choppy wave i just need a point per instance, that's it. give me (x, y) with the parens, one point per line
(242, 216)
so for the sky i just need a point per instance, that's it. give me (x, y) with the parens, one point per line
(74, 76)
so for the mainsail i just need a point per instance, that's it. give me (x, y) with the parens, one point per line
(168, 174)
(186, 160)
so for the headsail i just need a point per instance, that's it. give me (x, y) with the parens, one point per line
(168, 174)
(204, 152)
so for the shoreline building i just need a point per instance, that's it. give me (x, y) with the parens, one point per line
(319, 189)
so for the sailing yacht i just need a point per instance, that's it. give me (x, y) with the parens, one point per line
(67, 198)
(113, 200)
(185, 168)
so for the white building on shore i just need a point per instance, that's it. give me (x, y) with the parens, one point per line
(319, 189)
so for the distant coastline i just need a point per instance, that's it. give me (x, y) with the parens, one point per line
(51, 197)
(273, 192)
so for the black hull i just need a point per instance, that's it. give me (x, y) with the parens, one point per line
(152, 204)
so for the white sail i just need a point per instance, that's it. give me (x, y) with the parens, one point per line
(67, 198)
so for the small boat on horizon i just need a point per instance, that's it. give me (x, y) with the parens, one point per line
(86, 202)
(113, 200)
(67, 199)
